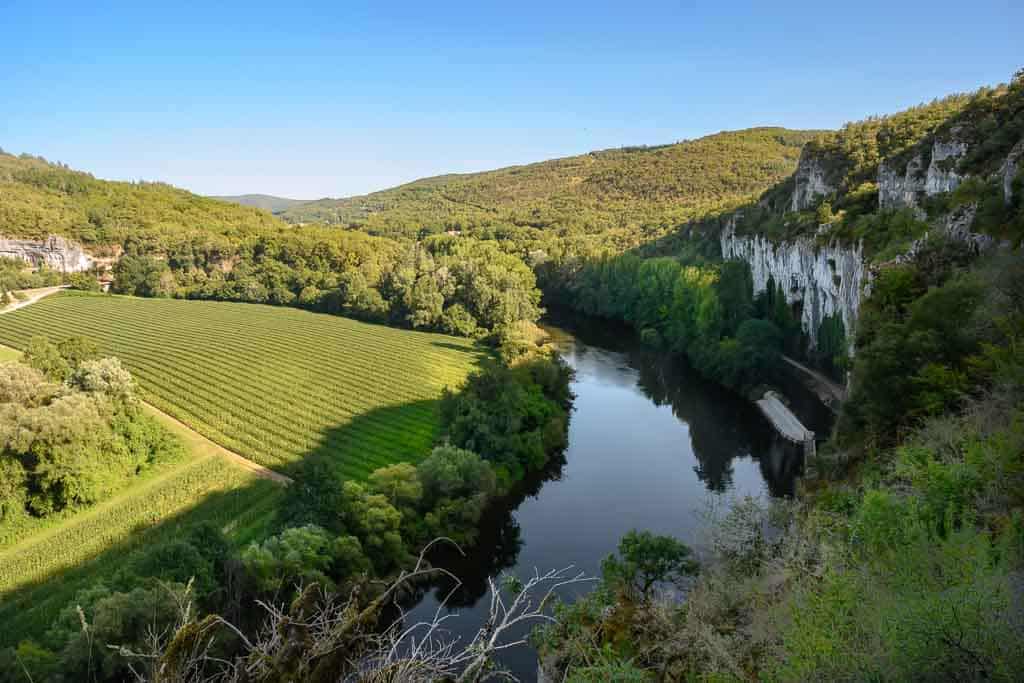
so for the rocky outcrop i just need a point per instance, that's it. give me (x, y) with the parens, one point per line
(901, 187)
(810, 182)
(1008, 171)
(942, 175)
(54, 252)
(957, 227)
(904, 187)
(825, 281)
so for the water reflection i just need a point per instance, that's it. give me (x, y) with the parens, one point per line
(649, 443)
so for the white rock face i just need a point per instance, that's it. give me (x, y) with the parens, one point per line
(942, 175)
(1009, 169)
(810, 182)
(898, 188)
(53, 252)
(826, 280)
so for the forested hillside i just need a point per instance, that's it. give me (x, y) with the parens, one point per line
(607, 190)
(41, 198)
(262, 201)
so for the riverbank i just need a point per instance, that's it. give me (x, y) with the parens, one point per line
(652, 445)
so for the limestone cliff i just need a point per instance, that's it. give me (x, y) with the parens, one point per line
(54, 252)
(811, 181)
(1010, 168)
(900, 187)
(824, 280)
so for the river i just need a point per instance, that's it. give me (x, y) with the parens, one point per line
(651, 445)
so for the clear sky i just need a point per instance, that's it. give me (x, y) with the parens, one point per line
(340, 98)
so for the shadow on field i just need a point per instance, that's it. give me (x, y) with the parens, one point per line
(27, 611)
(404, 432)
(249, 513)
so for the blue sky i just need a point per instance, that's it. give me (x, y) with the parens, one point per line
(340, 98)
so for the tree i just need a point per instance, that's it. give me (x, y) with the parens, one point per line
(140, 276)
(760, 343)
(76, 350)
(42, 355)
(399, 483)
(450, 472)
(105, 376)
(297, 555)
(645, 560)
(376, 523)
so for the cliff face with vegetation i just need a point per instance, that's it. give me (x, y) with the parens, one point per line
(821, 281)
(54, 252)
(874, 193)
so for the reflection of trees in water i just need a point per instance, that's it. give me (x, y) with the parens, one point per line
(497, 547)
(722, 426)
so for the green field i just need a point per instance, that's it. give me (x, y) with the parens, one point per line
(8, 354)
(45, 562)
(273, 384)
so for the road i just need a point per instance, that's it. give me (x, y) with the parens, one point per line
(826, 386)
(31, 296)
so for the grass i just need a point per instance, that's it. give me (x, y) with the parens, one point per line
(8, 354)
(273, 384)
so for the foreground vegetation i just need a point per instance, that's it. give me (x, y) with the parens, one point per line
(359, 509)
(89, 476)
(274, 385)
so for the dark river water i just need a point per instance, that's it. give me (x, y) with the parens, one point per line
(650, 446)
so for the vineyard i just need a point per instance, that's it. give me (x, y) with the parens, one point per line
(41, 575)
(273, 384)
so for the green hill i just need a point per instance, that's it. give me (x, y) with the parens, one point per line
(595, 192)
(41, 198)
(262, 201)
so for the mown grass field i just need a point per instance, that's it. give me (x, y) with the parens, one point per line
(273, 384)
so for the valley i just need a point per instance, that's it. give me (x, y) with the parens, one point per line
(506, 422)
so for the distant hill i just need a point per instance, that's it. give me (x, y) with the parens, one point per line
(39, 198)
(617, 188)
(262, 201)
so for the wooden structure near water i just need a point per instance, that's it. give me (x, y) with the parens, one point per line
(786, 423)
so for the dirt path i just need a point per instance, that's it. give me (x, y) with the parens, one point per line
(32, 296)
(828, 390)
(197, 442)
(193, 439)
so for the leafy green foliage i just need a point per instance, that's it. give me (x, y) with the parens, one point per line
(707, 313)
(644, 560)
(512, 417)
(917, 345)
(72, 446)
